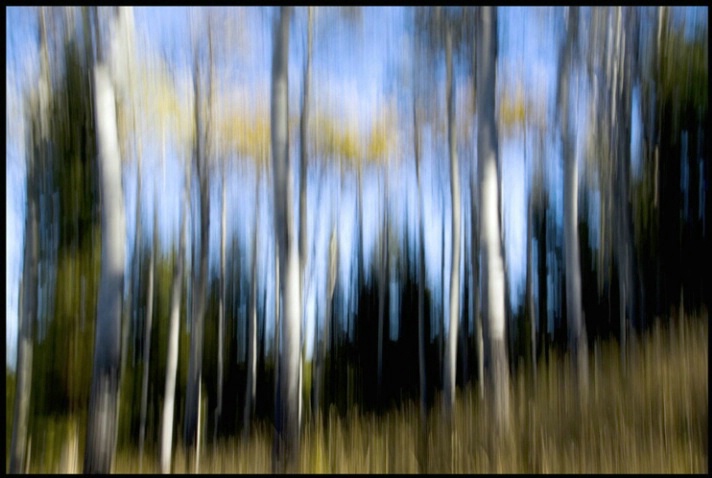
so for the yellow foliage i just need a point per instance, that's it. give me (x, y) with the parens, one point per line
(336, 141)
(248, 136)
(512, 110)
(383, 135)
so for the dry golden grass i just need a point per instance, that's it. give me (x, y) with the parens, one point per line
(650, 416)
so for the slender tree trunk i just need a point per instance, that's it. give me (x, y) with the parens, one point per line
(360, 272)
(147, 341)
(529, 289)
(276, 351)
(382, 272)
(621, 124)
(29, 295)
(134, 298)
(487, 150)
(315, 370)
(291, 334)
(421, 274)
(221, 308)
(464, 333)
(173, 335)
(27, 315)
(130, 309)
(250, 387)
(262, 335)
(476, 285)
(303, 126)
(577, 333)
(451, 345)
(441, 324)
(23, 386)
(288, 250)
(321, 355)
(543, 315)
(303, 161)
(103, 410)
(195, 365)
(474, 290)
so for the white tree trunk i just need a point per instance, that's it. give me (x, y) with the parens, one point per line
(195, 366)
(147, 341)
(490, 224)
(321, 354)
(476, 283)
(577, 340)
(303, 151)
(221, 308)
(421, 272)
(103, 411)
(303, 160)
(250, 387)
(451, 345)
(173, 336)
(276, 349)
(288, 244)
(624, 241)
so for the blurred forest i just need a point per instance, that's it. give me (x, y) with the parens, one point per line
(131, 346)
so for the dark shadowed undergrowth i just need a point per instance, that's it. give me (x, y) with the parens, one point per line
(649, 416)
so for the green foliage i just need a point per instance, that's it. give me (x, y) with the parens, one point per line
(669, 233)
(64, 349)
(683, 76)
(74, 146)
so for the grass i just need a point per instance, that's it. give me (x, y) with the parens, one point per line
(649, 416)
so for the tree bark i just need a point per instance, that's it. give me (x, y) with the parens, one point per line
(421, 273)
(27, 315)
(195, 365)
(103, 410)
(29, 295)
(250, 387)
(321, 355)
(288, 250)
(487, 150)
(221, 307)
(451, 345)
(303, 160)
(529, 289)
(277, 353)
(541, 232)
(382, 300)
(147, 341)
(441, 318)
(476, 285)
(621, 124)
(577, 332)
(173, 335)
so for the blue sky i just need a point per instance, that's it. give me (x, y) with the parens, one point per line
(350, 78)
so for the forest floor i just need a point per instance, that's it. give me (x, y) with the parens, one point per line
(649, 415)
